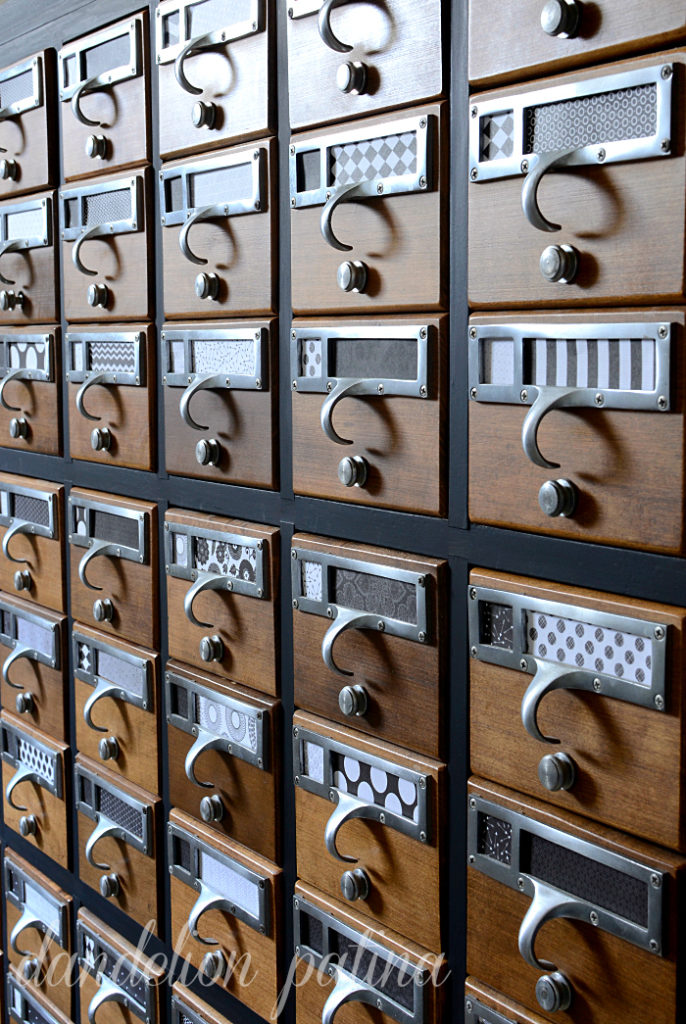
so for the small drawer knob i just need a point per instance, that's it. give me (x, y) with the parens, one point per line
(204, 115)
(109, 886)
(96, 147)
(213, 965)
(557, 771)
(557, 498)
(31, 968)
(28, 825)
(19, 427)
(103, 610)
(24, 703)
(211, 648)
(207, 452)
(352, 700)
(559, 263)
(211, 808)
(553, 992)
(355, 884)
(22, 579)
(101, 439)
(9, 170)
(561, 18)
(351, 77)
(9, 300)
(98, 295)
(352, 276)
(352, 471)
(207, 286)
(108, 748)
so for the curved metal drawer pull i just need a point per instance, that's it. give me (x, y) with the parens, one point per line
(22, 774)
(206, 213)
(207, 900)
(203, 382)
(205, 741)
(97, 378)
(205, 581)
(11, 245)
(538, 166)
(108, 992)
(347, 808)
(100, 547)
(103, 689)
(28, 919)
(546, 905)
(344, 620)
(547, 678)
(90, 85)
(21, 526)
(105, 827)
(19, 374)
(324, 26)
(20, 651)
(342, 389)
(548, 398)
(346, 990)
(340, 196)
(205, 42)
(97, 231)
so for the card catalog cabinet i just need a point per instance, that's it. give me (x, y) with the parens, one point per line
(30, 391)
(33, 662)
(27, 125)
(32, 539)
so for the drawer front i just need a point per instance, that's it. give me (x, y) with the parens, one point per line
(116, 698)
(34, 665)
(576, 696)
(483, 1005)
(394, 377)
(596, 907)
(106, 231)
(117, 845)
(214, 71)
(544, 37)
(223, 763)
(594, 150)
(221, 596)
(33, 781)
(220, 401)
(226, 911)
(25, 1003)
(187, 1008)
(394, 168)
(28, 272)
(32, 533)
(219, 213)
(602, 394)
(115, 424)
(119, 590)
(39, 930)
(361, 58)
(30, 391)
(27, 125)
(104, 83)
(368, 637)
(368, 826)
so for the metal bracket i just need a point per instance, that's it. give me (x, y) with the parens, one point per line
(78, 233)
(35, 98)
(19, 648)
(9, 242)
(106, 687)
(253, 200)
(105, 825)
(219, 38)
(11, 737)
(7, 342)
(103, 548)
(74, 55)
(110, 966)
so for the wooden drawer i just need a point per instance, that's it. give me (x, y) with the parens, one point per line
(215, 73)
(580, 689)
(116, 425)
(222, 596)
(34, 664)
(368, 639)
(357, 60)
(25, 1003)
(581, 34)
(31, 368)
(33, 781)
(123, 730)
(29, 274)
(32, 532)
(369, 824)
(226, 912)
(187, 1008)
(39, 931)
(394, 375)
(599, 904)
(224, 764)
(116, 981)
(603, 393)
(122, 534)
(616, 182)
(227, 373)
(107, 239)
(104, 82)
(483, 1005)
(27, 126)
(404, 984)
(117, 841)
(395, 231)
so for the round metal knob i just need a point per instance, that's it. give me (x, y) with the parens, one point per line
(352, 700)
(207, 286)
(103, 610)
(10, 299)
(351, 77)
(96, 147)
(108, 748)
(9, 169)
(98, 295)
(101, 439)
(352, 471)
(557, 498)
(213, 965)
(30, 968)
(553, 992)
(24, 703)
(22, 579)
(557, 771)
(211, 648)
(19, 427)
(355, 884)
(109, 886)
(561, 18)
(559, 263)
(352, 276)
(204, 115)
(211, 808)
(207, 452)
(28, 825)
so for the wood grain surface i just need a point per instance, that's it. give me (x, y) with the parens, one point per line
(39, 402)
(45, 1006)
(199, 1006)
(42, 556)
(513, 1012)
(29, 139)
(33, 272)
(46, 685)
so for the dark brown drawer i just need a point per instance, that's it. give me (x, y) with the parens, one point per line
(483, 1005)
(34, 664)
(25, 1003)
(27, 125)
(32, 532)
(28, 272)
(116, 423)
(30, 391)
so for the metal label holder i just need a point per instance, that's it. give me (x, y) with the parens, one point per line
(83, 341)
(22, 1004)
(254, 202)
(35, 66)
(137, 554)
(112, 970)
(16, 877)
(221, 35)
(11, 736)
(7, 518)
(136, 222)
(104, 824)
(26, 373)
(9, 242)
(246, 588)
(10, 639)
(190, 378)
(104, 686)
(76, 51)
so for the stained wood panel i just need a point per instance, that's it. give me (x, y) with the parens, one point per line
(41, 556)
(33, 272)
(39, 402)
(29, 139)
(45, 684)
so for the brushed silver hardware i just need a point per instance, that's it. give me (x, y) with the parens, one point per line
(34, 65)
(9, 170)
(23, 373)
(101, 439)
(28, 825)
(559, 263)
(103, 610)
(75, 214)
(98, 548)
(557, 771)
(208, 452)
(31, 968)
(351, 274)
(25, 703)
(9, 300)
(18, 427)
(96, 147)
(558, 498)
(561, 18)
(554, 992)
(351, 77)
(125, 817)
(355, 884)
(22, 579)
(109, 885)
(324, 26)
(211, 808)
(73, 55)
(206, 285)
(204, 115)
(353, 470)
(211, 648)
(98, 295)
(213, 965)
(108, 748)
(352, 700)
